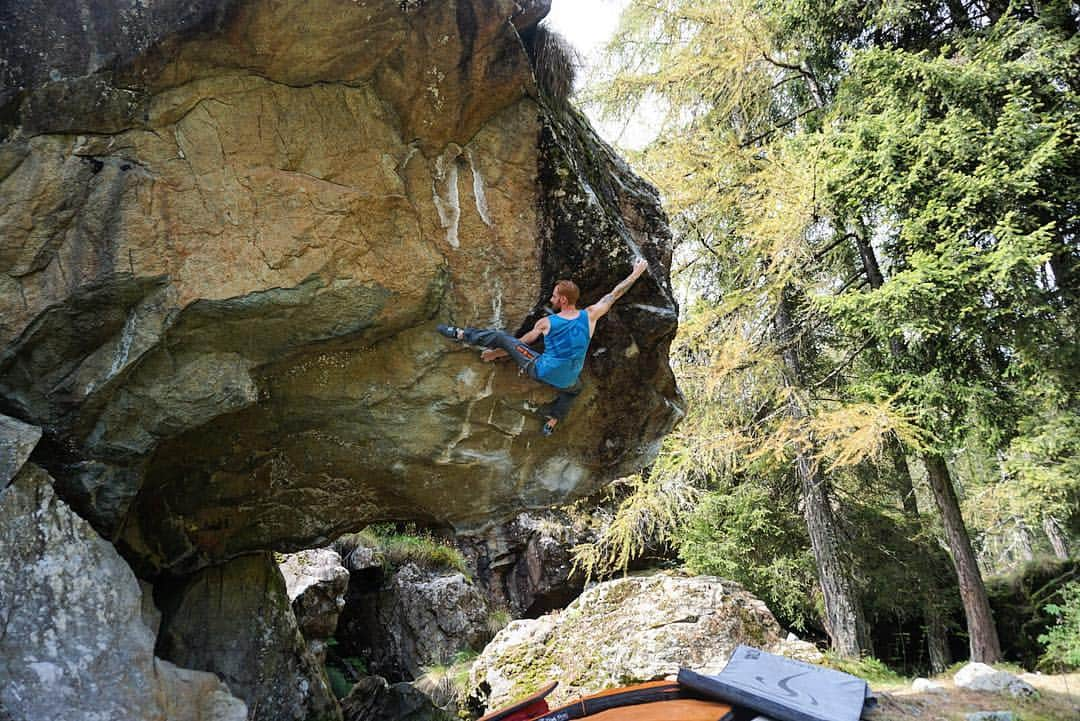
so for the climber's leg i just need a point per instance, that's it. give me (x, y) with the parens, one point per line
(521, 353)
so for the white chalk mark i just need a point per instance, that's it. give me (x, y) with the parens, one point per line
(447, 203)
(478, 190)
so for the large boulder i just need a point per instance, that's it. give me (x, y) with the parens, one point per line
(411, 618)
(983, 677)
(315, 582)
(526, 565)
(74, 644)
(229, 229)
(624, 631)
(236, 621)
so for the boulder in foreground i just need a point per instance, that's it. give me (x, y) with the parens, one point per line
(621, 632)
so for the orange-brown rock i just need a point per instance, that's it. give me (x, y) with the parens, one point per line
(226, 234)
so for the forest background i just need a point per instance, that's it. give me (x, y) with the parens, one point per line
(875, 207)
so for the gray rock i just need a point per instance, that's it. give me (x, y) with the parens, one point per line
(620, 632)
(235, 620)
(362, 558)
(17, 440)
(925, 685)
(982, 677)
(48, 40)
(315, 582)
(990, 716)
(413, 618)
(151, 616)
(373, 699)
(525, 566)
(799, 650)
(74, 645)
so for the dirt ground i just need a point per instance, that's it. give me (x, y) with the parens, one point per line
(1058, 700)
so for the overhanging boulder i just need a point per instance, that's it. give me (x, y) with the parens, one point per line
(226, 244)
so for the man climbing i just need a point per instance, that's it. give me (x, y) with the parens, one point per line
(566, 334)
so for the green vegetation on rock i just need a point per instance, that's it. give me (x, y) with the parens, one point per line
(395, 548)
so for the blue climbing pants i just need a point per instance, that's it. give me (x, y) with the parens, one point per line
(525, 357)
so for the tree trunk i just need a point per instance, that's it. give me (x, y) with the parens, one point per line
(937, 640)
(845, 622)
(1052, 529)
(904, 487)
(982, 633)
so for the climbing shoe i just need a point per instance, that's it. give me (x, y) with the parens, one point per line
(450, 331)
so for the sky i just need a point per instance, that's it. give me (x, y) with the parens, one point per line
(588, 25)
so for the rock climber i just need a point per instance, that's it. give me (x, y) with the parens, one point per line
(566, 334)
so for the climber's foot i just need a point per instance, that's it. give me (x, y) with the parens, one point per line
(451, 332)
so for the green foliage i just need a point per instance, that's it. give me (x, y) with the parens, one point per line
(647, 511)
(1063, 639)
(339, 685)
(497, 620)
(448, 683)
(424, 551)
(342, 672)
(801, 139)
(743, 534)
(395, 549)
(1019, 599)
(869, 668)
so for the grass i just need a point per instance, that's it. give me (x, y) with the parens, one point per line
(497, 620)
(1058, 700)
(869, 668)
(395, 549)
(556, 63)
(448, 683)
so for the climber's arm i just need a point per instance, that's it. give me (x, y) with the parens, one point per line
(541, 328)
(602, 306)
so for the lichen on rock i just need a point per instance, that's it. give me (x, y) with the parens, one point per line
(624, 631)
(74, 644)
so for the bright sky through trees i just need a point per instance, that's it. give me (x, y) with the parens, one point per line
(588, 25)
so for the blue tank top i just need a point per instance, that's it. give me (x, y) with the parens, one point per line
(565, 346)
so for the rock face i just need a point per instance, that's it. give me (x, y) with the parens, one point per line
(412, 618)
(373, 699)
(621, 632)
(235, 620)
(228, 230)
(526, 565)
(74, 644)
(17, 440)
(315, 582)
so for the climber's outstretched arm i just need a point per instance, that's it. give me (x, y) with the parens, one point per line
(602, 306)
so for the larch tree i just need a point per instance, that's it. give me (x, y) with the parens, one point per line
(877, 207)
